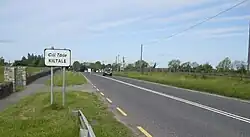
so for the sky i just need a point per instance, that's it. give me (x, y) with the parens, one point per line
(100, 30)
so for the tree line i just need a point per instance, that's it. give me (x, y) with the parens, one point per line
(30, 60)
(224, 66)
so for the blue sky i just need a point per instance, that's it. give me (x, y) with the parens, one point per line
(99, 30)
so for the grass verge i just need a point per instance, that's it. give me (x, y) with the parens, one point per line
(231, 87)
(72, 78)
(35, 117)
(34, 70)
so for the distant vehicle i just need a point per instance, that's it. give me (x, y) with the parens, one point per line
(107, 71)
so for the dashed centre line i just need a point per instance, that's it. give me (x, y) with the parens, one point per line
(121, 111)
(110, 101)
(144, 131)
(102, 93)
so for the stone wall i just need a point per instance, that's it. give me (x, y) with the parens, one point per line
(6, 89)
(17, 76)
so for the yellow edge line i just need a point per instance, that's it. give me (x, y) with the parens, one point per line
(101, 93)
(121, 111)
(109, 100)
(144, 131)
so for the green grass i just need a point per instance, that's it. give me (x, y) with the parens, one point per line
(35, 117)
(72, 78)
(34, 70)
(226, 86)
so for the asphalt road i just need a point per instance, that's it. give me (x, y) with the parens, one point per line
(170, 112)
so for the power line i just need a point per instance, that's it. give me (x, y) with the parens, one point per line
(206, 20)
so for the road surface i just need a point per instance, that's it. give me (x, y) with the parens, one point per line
(161, 111)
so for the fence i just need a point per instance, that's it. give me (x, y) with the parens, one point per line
(85, 128)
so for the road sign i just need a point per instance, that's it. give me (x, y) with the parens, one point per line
(57, 57)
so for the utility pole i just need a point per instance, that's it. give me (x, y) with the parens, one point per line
(123, 63)
(118, 65)
(248, 61)
(141, 63)
(116, 61)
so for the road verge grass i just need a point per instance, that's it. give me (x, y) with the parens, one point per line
(72, 78)
(225, 86)
(33, 116)
(34, 70)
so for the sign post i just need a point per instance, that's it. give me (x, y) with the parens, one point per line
(63, 88)
(57, 58)
(51, 85)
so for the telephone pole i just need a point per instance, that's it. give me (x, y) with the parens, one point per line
(248, 61)
(123, 63)
(118, 65)
(116, 61)
(141, 63)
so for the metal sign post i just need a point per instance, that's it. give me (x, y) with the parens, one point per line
(51, 85)
(63, 88)
(57, 58)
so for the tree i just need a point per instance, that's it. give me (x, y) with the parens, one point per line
(174, 64)
(76, 66)
(186, 67)
(139, 63)
(194, 66)
(205, 68)
(1, 61)
(239, 66)
(98, 65)
(224, 65)
(130, 67)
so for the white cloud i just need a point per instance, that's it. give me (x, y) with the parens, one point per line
(197, 14)
(221, 30)
(225, 35)
(232, 18)
(106, 25)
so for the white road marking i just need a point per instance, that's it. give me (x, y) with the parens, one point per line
(102, 93)
(224, 113)
(97, 89)
(109, 100)
(87, 79)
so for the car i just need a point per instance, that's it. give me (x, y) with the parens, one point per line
(107, 71)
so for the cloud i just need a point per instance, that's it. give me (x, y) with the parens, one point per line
(225, 35)
(197, 14)
(6, 41)
(232, 18)
(221, 32)
(107, 25)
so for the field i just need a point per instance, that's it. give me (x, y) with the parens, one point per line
(72, 78)
(35, 117)
(34, 70)
(227, 86)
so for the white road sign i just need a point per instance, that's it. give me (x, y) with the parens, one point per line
(57, 57)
